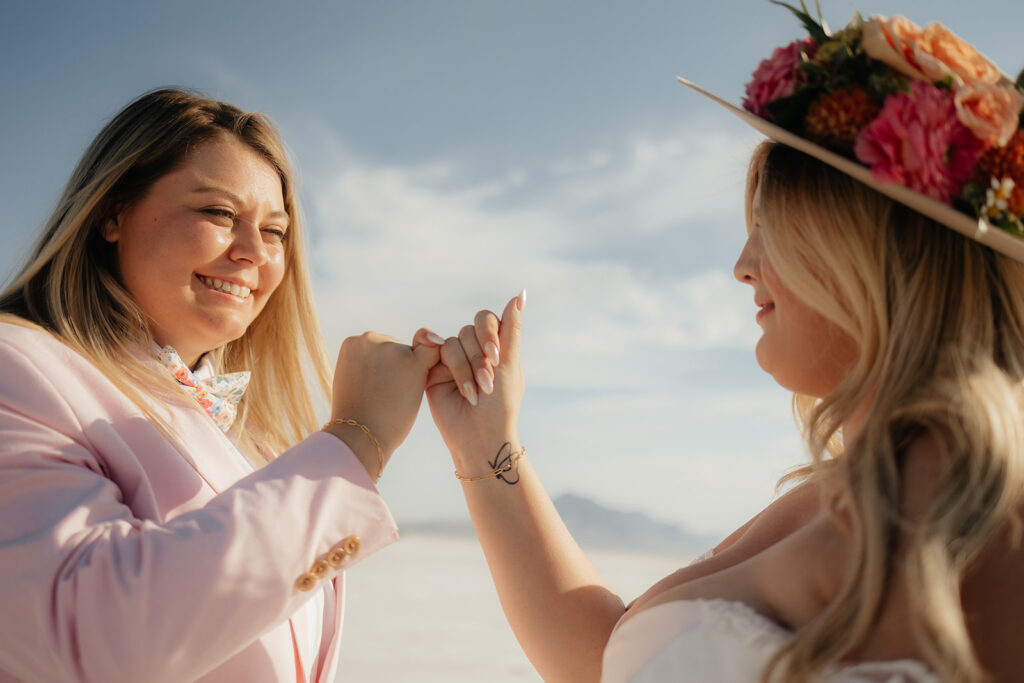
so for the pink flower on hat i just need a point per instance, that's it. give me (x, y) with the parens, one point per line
(918, 142)
(778, 76)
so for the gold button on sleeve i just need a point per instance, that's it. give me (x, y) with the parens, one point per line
(336, 557)
(319, 569)
(306, 582)
(351, 545)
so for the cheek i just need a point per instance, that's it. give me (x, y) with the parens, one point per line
(812, 354)
(273, 271)
(803, 351)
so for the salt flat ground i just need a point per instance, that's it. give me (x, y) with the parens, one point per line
(424, 610)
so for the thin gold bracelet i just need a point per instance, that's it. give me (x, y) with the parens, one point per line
(369, 435)
(497, 472)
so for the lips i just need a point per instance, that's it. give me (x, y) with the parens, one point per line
(233, 288)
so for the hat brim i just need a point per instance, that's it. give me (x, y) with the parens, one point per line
(979, 230)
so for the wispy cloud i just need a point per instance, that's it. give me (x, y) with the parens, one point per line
(610, 332)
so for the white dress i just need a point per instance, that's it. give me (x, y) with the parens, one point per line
(720, 641)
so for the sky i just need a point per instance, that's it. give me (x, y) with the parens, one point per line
(454, 152)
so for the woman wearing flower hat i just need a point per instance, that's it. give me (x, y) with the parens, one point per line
(155, 523)
(884, 253)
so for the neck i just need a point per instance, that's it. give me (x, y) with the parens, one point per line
(855, 423)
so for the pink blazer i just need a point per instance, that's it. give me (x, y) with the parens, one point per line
(123, 558)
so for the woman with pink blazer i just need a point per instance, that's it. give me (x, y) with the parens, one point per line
(157, 523)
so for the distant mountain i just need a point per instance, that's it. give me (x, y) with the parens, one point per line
(595, 526)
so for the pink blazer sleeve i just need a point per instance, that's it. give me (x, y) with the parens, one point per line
(118, 561)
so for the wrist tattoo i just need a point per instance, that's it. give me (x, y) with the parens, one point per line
(506, 464)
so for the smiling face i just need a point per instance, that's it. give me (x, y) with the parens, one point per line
(800, 348)
(203, 250)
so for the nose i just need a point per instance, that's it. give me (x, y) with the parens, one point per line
(247, 244)
(748, 266)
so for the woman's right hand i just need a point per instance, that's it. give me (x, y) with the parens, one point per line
(475, 391)
(379, 383)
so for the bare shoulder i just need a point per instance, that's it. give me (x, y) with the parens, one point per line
(790, 512)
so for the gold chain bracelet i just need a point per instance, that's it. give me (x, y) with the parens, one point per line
(506, 466)
(369, 435)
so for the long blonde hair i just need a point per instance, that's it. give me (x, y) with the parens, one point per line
(70, 285)
(939, 324)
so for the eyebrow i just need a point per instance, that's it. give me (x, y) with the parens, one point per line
(276, 215)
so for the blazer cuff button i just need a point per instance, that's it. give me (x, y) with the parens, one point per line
(351, 545)
(306, 582)
(336, 557)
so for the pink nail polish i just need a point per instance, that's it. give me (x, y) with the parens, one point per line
(435, 337)
(469, 391)
(491, 351)
(484, 380)
(521, 303)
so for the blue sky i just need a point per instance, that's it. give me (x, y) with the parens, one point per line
(453, 152)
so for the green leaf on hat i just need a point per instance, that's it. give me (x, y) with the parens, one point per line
(817, 29)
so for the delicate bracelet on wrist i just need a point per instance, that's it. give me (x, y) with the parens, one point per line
(369, 435)
(504, 462)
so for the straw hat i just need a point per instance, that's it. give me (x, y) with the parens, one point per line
(917, 114)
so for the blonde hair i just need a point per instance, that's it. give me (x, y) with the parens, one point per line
(939, 324)
(70, 285)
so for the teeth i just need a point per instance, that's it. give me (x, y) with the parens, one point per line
(226, 287)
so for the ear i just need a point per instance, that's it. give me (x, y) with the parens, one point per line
(111, 230)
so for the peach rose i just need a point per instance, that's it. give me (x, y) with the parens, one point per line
(959, 57)
(929, 55)
(893, 41)
(991, 112)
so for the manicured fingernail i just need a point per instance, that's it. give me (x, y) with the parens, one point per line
(521, 303)
(435, 337)
(484, 380)
(469, 391)
(492, 352)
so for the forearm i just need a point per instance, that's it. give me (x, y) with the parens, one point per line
(217, 576)
(560, 609)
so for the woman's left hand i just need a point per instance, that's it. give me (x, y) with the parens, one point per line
(474, 394)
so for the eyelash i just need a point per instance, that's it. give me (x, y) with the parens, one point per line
(224, 213)
(278, 233)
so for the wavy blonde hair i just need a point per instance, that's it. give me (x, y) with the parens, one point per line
(70, 285)
(939, 324)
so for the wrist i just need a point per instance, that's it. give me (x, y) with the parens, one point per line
(361, 442)
(481, 456)
(503, 467)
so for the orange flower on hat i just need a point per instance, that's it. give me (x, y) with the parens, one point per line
(958, 56)
(931, 54)
(992, 112)
(999, 163)
(835, 119)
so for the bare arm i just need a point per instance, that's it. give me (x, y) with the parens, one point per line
(560, 609)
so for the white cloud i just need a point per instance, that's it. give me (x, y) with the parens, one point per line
(682, 177)
(400, 247)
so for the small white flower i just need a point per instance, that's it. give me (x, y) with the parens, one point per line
(997, 195)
